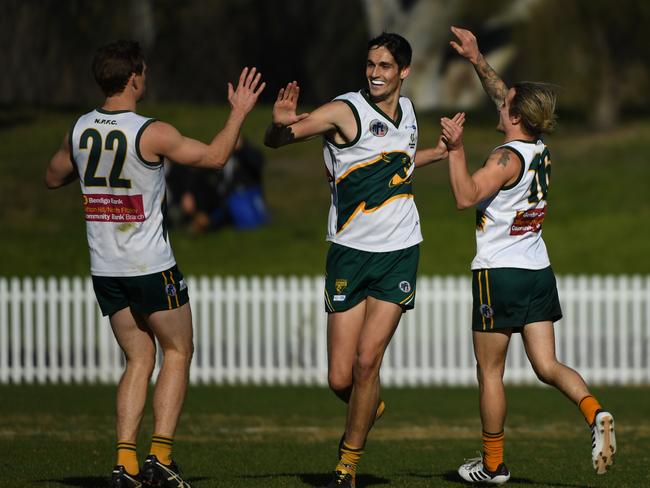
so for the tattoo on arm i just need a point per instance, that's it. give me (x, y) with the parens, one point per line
(493, 85)
(503, 160)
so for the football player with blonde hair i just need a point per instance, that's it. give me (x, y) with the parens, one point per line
(513, 287)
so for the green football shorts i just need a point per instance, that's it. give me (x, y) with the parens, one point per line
(145, 294)
(353, 275)
(505, 298)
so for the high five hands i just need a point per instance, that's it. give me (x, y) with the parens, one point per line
(284, 108)
(452, 131)
(245, 96)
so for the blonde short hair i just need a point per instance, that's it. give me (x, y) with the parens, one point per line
(535, 104)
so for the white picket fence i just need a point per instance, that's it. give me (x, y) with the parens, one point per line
(272, 330)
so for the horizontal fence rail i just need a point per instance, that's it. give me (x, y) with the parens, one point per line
(272, 330)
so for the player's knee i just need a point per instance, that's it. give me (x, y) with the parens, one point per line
(180, 353)
(339, 383)
(489, 372)
(366, 367)
(546, 372)
(142, 363)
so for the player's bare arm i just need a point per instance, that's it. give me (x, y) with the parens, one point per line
(433, 154)
(501, 168)
(334, 119)
(467, 46)
(162, 139)
(60, 171)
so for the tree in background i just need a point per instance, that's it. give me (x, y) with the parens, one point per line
(595, 49)
(201, 45)
(439, 79)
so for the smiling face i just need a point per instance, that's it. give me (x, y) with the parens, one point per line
(383, 74)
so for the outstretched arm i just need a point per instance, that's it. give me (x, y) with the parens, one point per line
(60, 171)
(280, 132)
(334, 119)
(501, 168)
(467, 46)
(161, 139)
(427, 156)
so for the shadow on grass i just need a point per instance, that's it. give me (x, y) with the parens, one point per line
(454, 477)
(320, 479)
(94, 481)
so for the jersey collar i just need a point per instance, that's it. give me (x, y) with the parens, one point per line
(396, 122)
(111, 112)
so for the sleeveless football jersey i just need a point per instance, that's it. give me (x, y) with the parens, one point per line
(509, 223)
(123, 195)
(372, 206)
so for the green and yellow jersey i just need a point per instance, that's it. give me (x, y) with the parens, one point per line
(372, 206)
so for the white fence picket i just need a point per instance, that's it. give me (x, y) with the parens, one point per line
(40, 334)
(4, 331)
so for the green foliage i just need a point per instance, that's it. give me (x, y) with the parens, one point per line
(61, 436)
(598, 203)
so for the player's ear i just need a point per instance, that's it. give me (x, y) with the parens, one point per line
(133, 82)
(404, 72)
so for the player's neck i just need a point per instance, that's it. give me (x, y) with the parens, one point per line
(119, 102)
(516, 134)
(389, 105)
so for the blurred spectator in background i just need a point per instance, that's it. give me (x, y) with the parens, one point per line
(206, 200)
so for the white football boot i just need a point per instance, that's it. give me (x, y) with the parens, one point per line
(474, 472)
(603, 442)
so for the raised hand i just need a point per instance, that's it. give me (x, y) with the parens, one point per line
(245, 96)
(284, 108)
(467, 46)
(458, 119)
(452, 131)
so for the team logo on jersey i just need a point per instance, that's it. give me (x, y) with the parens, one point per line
(170, 289)
(486, 311)
(405, 286)
(398, 179)
(340, 285)
(378, 128)
(412, 144)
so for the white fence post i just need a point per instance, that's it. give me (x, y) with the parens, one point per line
(40, 338)
(28, 330)
(4, 331)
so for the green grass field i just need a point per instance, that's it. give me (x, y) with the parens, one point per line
(62, 436)
(597, 220)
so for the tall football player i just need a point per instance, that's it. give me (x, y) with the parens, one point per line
(369, 146)
(118, 157)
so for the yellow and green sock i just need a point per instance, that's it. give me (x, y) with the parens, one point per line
(161, 447)
(127, 457)
(350, 457)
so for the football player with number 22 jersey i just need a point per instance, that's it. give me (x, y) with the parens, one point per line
(119, 159)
